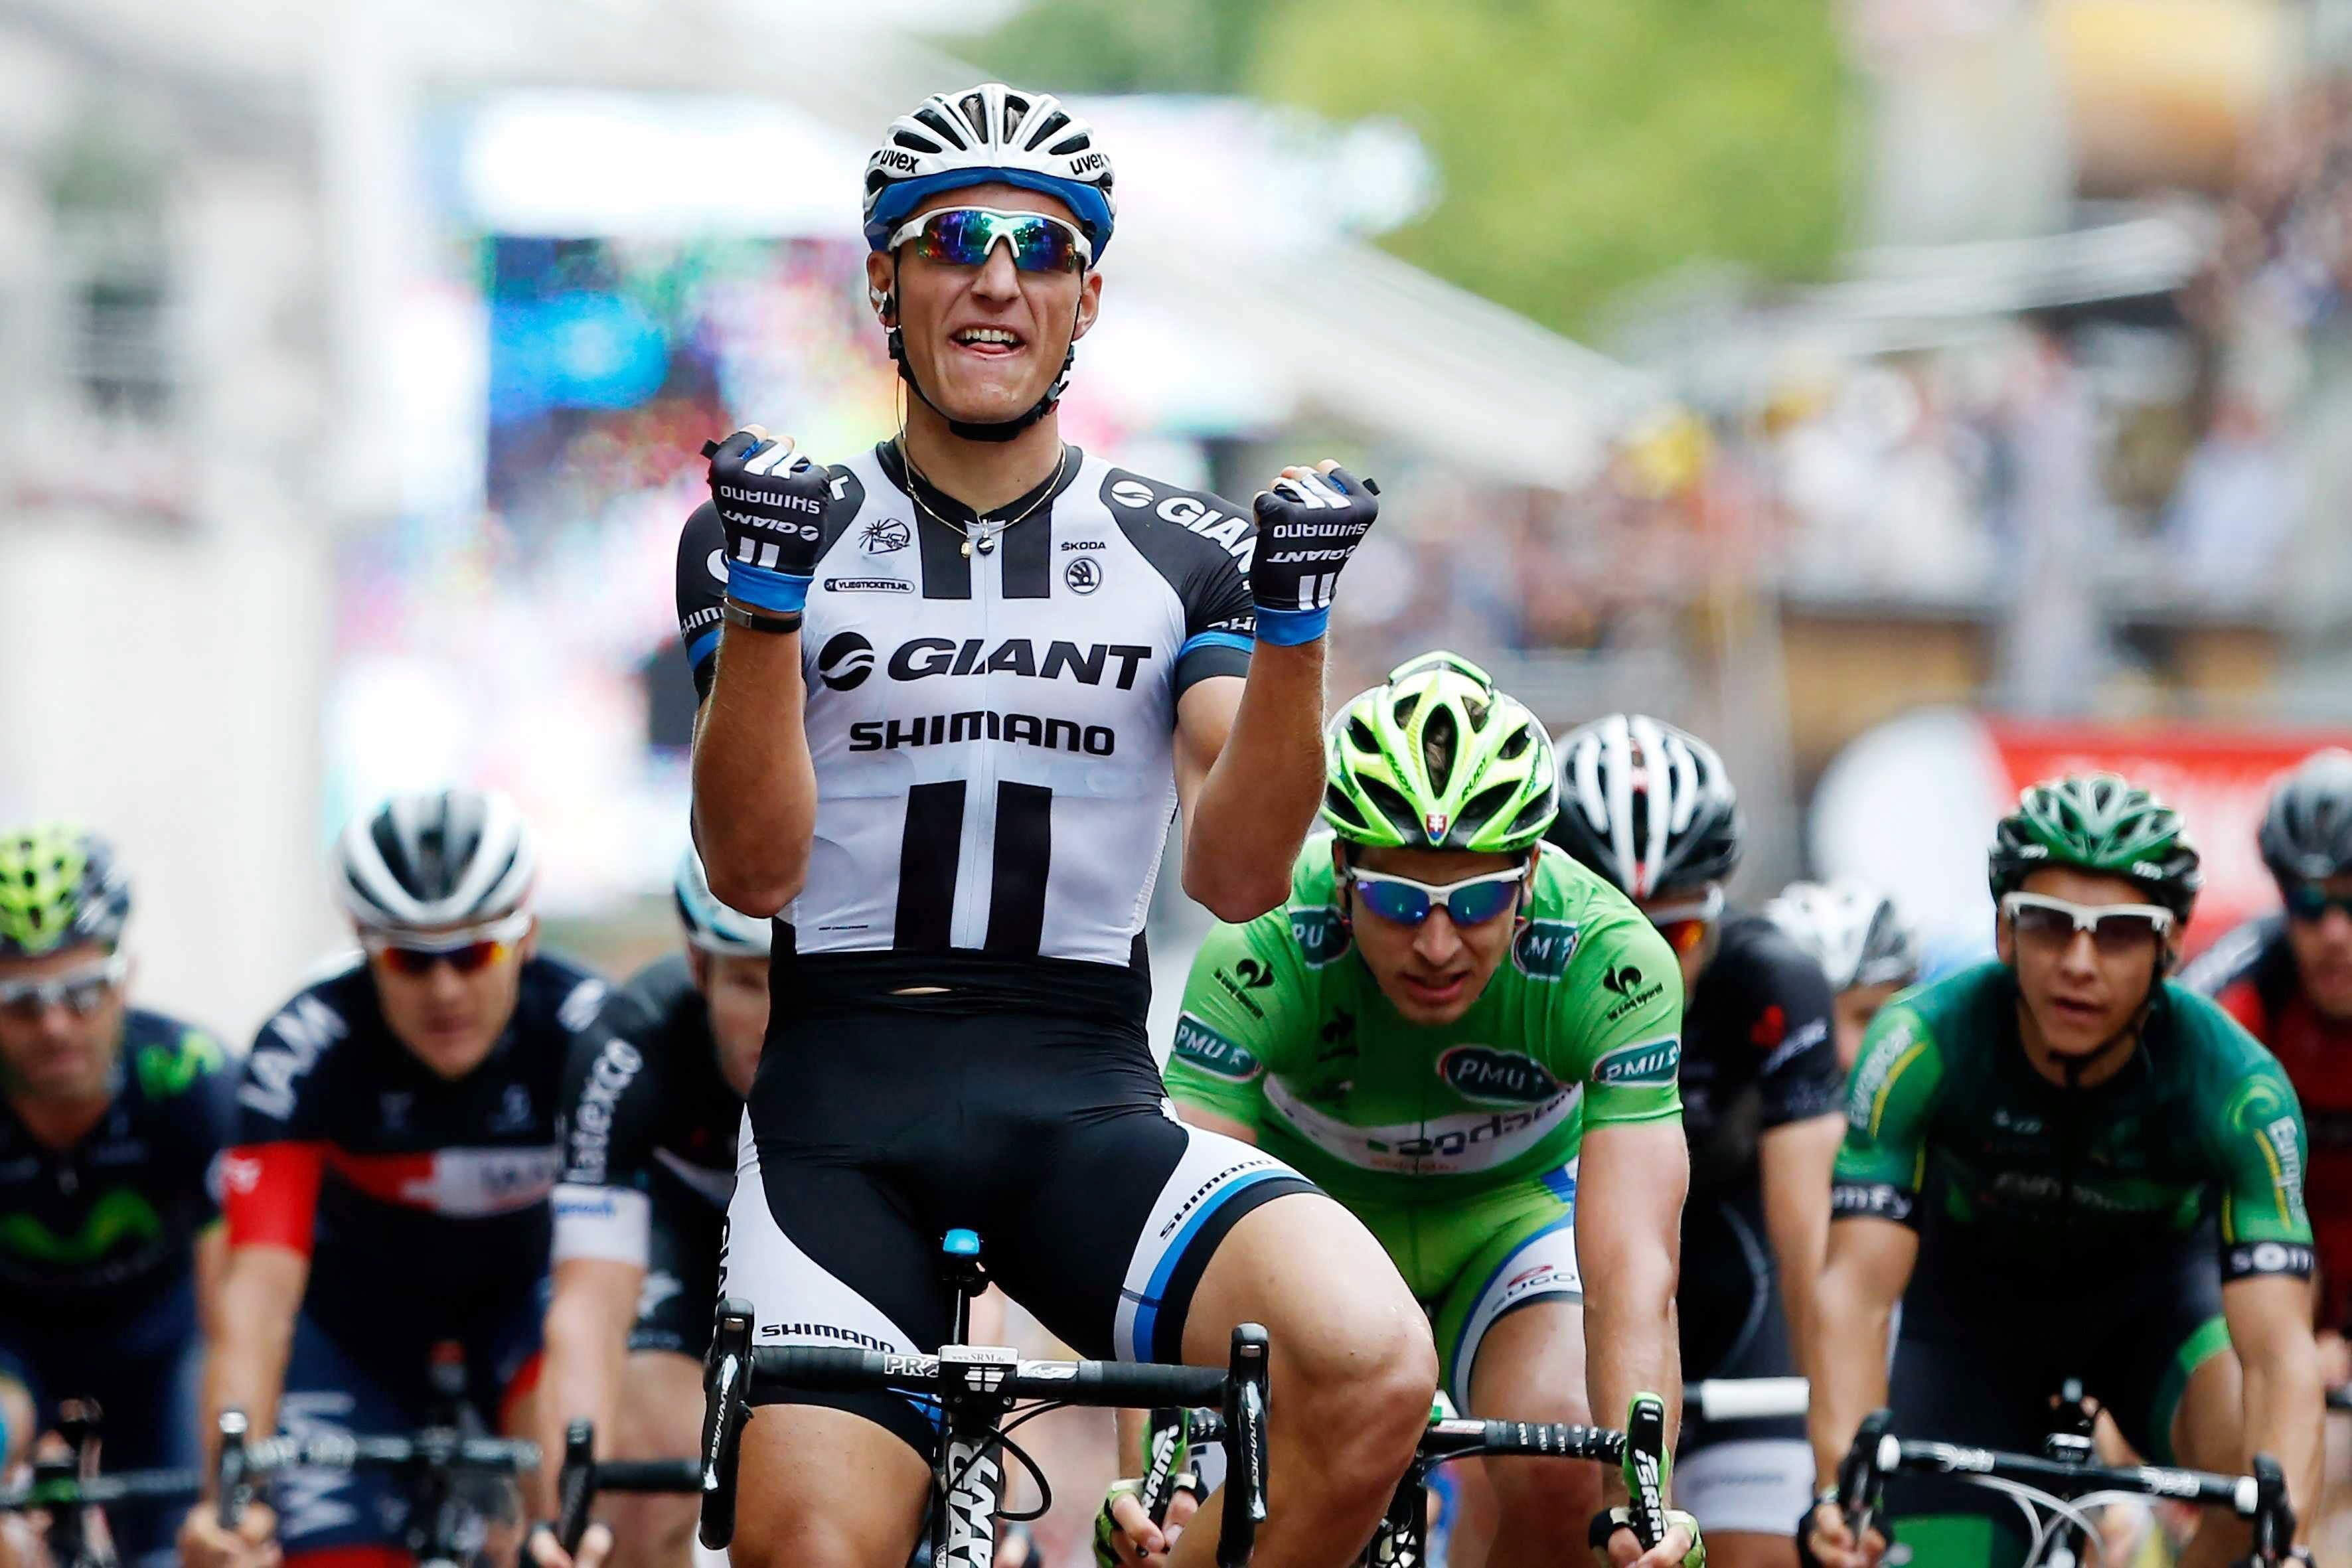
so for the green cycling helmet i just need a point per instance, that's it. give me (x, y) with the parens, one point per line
(1438, 759)
(2097, 822)
(60, 884)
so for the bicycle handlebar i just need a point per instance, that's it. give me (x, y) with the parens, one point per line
(104, 1490)
(583, 1478)
(244, 1459)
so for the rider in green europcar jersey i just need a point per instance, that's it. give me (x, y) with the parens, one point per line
(2080, 1170)
(1471, 1042)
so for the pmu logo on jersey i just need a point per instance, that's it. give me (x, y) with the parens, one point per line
(1490, 1077)
(1322, 935)
(1543, 950)
(1199, 1045)
(1646, 1061)
(845, 662)
(1187, 511)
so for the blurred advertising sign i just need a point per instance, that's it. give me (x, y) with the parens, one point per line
(1910, 805)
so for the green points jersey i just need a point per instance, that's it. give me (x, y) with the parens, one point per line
(1286, 1030)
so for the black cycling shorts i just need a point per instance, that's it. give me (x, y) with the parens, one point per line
(876, 1130)
(1754, 1476)
(680, 1298)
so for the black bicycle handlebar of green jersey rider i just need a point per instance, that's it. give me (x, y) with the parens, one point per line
(68, 1484)
(1877, 1453)
(1398, 1537)
(975, 1386)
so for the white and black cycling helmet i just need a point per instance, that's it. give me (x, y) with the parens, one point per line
(2306, 832)
(988, 134)
(437, 858)
(1645, 804)
(1856, 933)
(710, 925)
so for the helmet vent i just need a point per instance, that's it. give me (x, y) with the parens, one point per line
(1016, 110)
(1402, 818)
(1516, 745)
(1361, 736)
(1406, 707)
(945, 126)
(917, 143)
(1534, 814)
(1438, 741)
(1077, 143)
(974, 109)
(1047, 127)
(1340, 806)
(1482, 805)
(1475, 708)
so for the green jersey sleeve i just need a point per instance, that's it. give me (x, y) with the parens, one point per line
(1242, 1018)
(1618, 1023)
(2257, 1146)
(1890, 1101)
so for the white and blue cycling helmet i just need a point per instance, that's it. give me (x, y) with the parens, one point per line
(710, 925)
(991, 133)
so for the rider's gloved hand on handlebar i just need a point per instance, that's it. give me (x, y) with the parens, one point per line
(1125, 1535)
(1614, 1542)
(545, 1552)
(204, 1544)
(1824, 1539)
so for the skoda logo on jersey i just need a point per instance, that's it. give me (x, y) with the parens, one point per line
(884, 536)
(846, 662)
(1084, 574)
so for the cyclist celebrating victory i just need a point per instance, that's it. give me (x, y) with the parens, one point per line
(2115, 1195)
(1651, 809)
(965, 680)
(110, 1118)
(1865, 946)
(1447, 1015)
(2288, 979)
(650, 1110)
(389, 1192)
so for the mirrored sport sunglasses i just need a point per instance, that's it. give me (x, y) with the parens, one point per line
(1684, 926)
(80, 992)
(962, 237)
(2115, 929)
(2312, 900)
(469, 952)
(1471, 902)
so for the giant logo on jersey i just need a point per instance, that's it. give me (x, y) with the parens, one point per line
(1221, 528)
(845, 662)
(1489, 1076)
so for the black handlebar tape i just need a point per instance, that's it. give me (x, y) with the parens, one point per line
(575, 1485)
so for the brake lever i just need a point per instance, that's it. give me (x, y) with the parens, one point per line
(575, 1485)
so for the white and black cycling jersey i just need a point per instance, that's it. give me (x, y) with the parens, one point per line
(993, 732)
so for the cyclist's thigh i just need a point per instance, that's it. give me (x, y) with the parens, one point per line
(2144, 1358)
(661, 1407)
(1495, 1357)
(1750, 1477)
(329, 1391)
(831, 1489)
(828, 1255)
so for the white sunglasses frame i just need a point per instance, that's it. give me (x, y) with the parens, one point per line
(1438, 893)
(2086, 917)
(106, 973)
(914, 225)
(508, 928)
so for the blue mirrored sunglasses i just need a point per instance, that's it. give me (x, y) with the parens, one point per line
(1467, 903)
(962, 237)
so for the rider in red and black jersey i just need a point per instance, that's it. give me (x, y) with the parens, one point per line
(2287, 977)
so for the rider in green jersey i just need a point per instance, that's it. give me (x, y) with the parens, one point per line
(2080, 1170)
(1453, 1027)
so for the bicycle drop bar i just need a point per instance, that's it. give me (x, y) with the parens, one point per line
(584, 1477)
(104, 1490)
(244, 1459)
(737, 1376)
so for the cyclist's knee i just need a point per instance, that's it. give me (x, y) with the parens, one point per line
(1546, 1495)
(1364, 1395)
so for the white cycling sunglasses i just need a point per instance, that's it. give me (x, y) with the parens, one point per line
(2114, 928)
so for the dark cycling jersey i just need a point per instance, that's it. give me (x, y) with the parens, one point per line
(2251, 972)
(420, 1200)
(646, 1119)
(1757, 1049)
(2201, 1122)
(993, 733)
(111, 1222)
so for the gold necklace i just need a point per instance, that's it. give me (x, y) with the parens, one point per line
(984, 541)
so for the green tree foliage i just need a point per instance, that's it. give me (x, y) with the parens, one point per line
(1583, 145)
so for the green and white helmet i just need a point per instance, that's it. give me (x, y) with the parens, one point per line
(60, 884)
(2097, 822)
(1438, 759)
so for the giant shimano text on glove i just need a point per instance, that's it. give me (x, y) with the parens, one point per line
(1307, 529)
(772, 505)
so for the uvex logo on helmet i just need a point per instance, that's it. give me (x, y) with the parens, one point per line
(845, 662)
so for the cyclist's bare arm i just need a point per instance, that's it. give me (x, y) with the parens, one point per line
(1869, 1263)
(754, 785)
(588, 1318)
(260, 1292)
(1632, 1177)
(2270, 1326)
(1795, 1159)
(1249, 776)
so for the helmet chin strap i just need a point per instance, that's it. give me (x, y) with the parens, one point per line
(966, 429)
